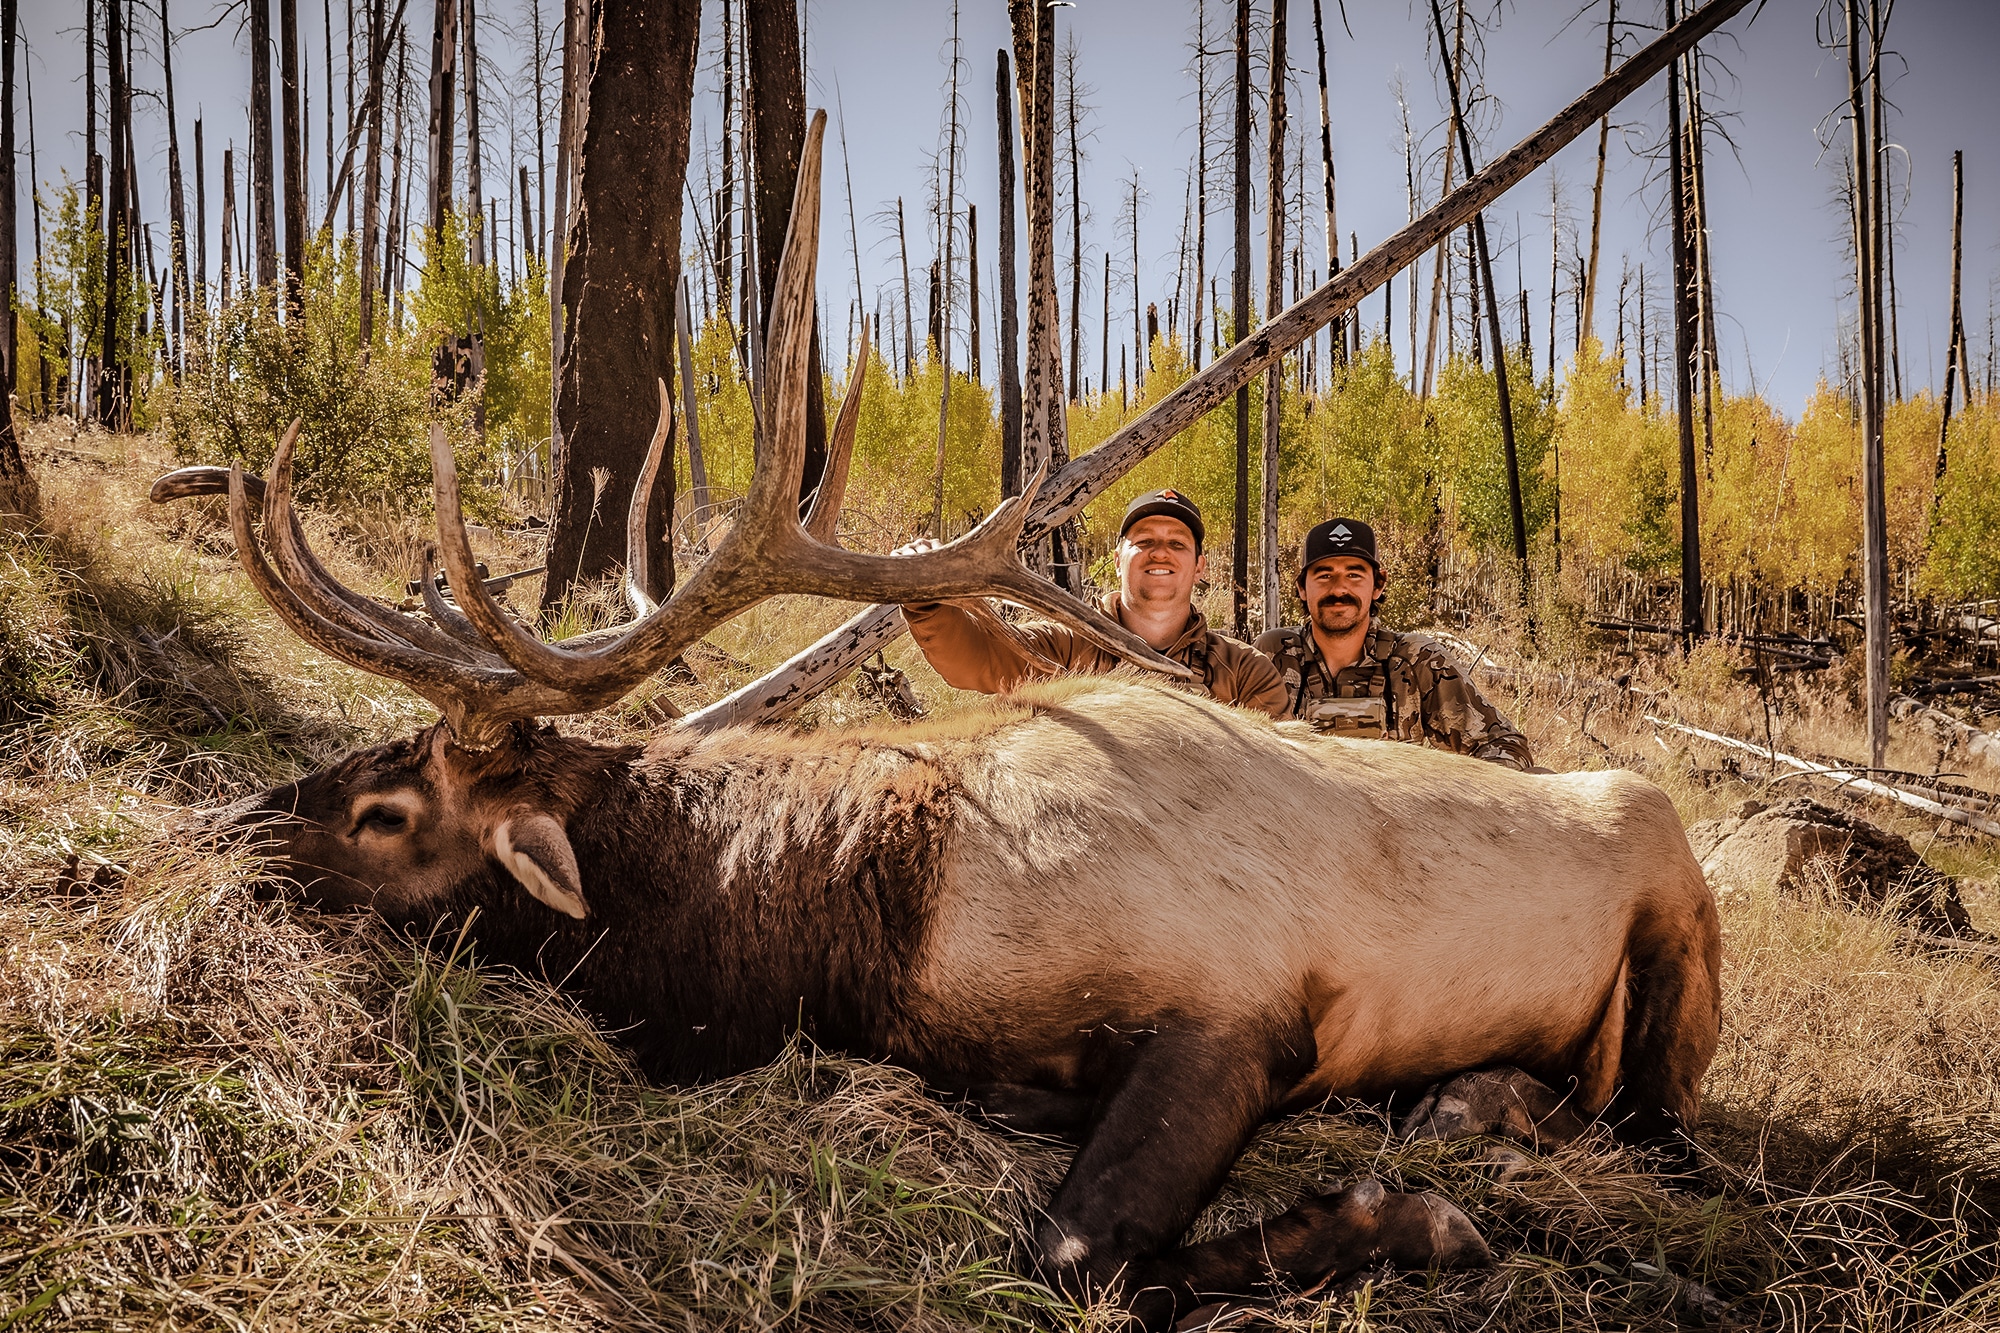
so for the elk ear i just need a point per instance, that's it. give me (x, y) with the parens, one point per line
(535, 849)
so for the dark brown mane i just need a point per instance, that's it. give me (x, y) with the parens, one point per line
(752, 886)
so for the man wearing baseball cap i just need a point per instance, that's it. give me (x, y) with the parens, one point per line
(1159, 562)
(1347, 675)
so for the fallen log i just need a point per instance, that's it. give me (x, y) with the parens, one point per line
(1844, 777)
(1981, 744)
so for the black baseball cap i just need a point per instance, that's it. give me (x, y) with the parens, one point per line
(1171, 503)
(1339, 536)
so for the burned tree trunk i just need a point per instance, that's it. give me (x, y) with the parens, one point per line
(776, 103)
(1954, 357)
(1692, 610)
(1868, 287)
(1009, 296)
(474, 186)
(371, 168)
(295, 165)
(618, 296)
(1274, 301)
(1596, 200)
(177, 248)
(1337, 334)
(110, 383)
(9, 262)
(1239, 566)
(17, 485)
(1043, 427)
(263, 170)
(444, 60)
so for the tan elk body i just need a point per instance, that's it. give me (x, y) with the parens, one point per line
(1106, 908)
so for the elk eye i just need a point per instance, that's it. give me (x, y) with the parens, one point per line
(383, 819)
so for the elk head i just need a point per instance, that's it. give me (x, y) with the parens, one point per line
(401, 823)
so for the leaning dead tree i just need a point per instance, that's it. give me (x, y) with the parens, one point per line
(824, 663)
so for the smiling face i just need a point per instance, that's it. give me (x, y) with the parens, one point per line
(1338, 591)
(1159, 564)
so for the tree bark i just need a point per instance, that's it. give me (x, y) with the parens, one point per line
(1954, 356)
(110, 384)
(1075, 226)
(1203, 314)
(1239, 567)
(776, 103)
(1274, 301)
(17, 483)
(1441, 263)
(569, 123)
(725, 205)
(972, 289)
(1337, 336)
(1042, 423)
(474, 186)
(371, 168)
(228, 221)
(909, 329)
(296, 240)
(263, 169)
(444, 61)
(200, 223)
(1009, 295)
(1867, 132)
(1692, 608)
(942, 294)
(176, 196)
(619, 295)
(1596, 199)
(9, 261)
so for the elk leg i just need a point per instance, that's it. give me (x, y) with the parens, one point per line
(1503, 1101)
(1673, 1023)
(1168, 1129)
(1320, 1239)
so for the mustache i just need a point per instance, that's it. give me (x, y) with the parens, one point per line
(1336, 599)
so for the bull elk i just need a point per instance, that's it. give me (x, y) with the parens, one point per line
(1101, 907)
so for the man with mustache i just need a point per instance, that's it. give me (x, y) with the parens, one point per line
(1349, 676)
(1159, 561)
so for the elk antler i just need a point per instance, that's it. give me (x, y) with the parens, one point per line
(484, 669)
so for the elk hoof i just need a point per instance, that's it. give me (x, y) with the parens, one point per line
(1430, 1231)
(1504, 1102)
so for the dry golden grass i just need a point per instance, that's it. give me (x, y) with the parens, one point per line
(220, 1113)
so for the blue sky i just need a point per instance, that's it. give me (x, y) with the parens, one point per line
(882, 67)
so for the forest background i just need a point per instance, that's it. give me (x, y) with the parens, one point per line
(1396, 424)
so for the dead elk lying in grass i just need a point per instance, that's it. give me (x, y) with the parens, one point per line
(1101, 907)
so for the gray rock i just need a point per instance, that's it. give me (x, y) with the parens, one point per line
(1799, 842)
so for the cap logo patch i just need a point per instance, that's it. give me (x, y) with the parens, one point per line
(1170, 495)
(1341, 533)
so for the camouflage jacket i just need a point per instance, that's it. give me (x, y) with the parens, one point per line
(1404, 686)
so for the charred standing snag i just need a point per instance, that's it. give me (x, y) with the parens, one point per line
(1010, 903)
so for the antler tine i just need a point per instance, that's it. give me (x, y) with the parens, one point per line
(476, 700)
(368, 618)
(638, 515)
(773, 501)
(824, 516)
(749, 564)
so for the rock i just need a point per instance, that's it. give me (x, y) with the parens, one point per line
(1801, 842)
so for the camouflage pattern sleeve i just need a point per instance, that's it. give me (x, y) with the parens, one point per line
(1457, 717)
